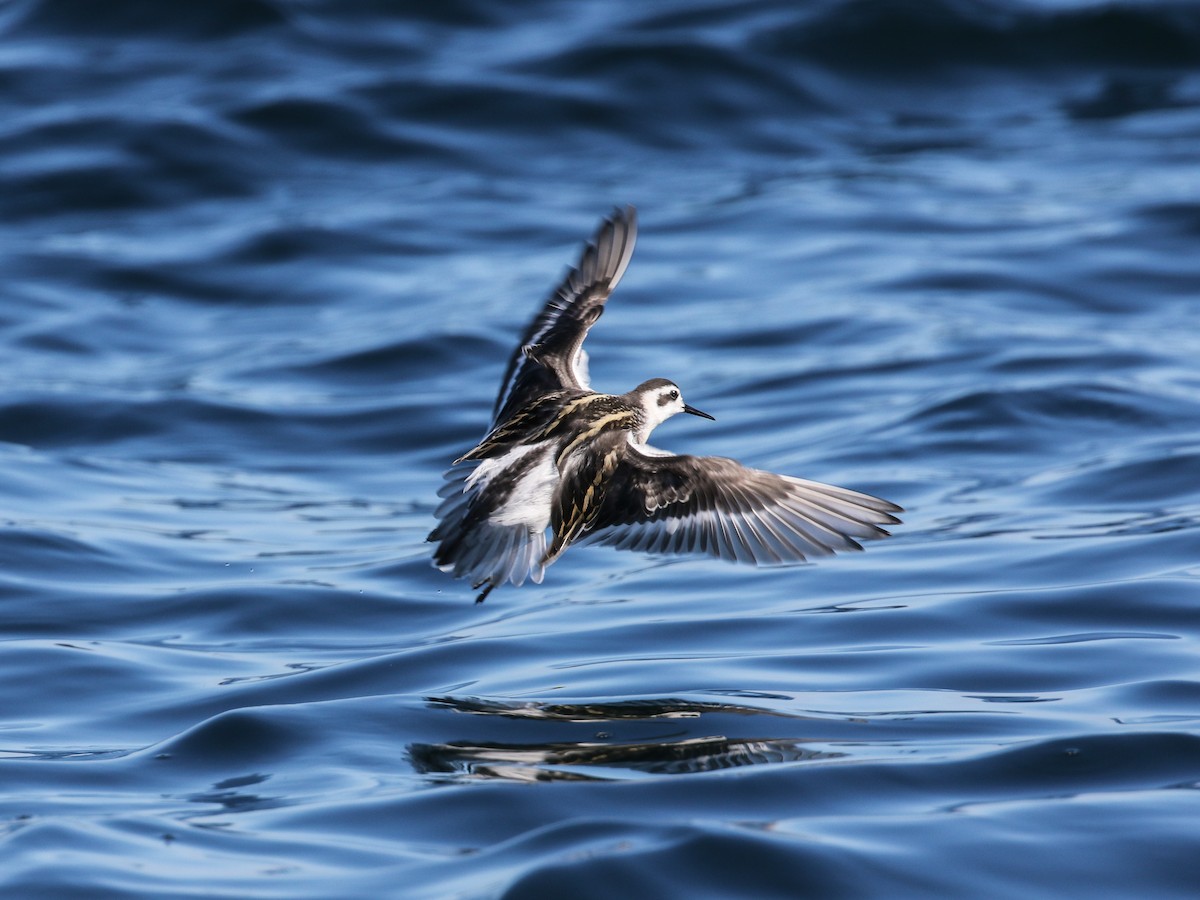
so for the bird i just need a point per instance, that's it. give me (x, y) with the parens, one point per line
(563, 459)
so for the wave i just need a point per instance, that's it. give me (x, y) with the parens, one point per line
(195, 19)
(924, 36)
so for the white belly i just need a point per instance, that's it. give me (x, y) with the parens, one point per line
(529, 497)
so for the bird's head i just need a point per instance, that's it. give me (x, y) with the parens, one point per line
(660, 399)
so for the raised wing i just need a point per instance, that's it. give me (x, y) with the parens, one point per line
(707, 504)
(550, 356)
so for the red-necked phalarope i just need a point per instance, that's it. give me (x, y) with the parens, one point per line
(563, 457)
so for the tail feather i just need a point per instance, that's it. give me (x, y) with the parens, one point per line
(474, 547)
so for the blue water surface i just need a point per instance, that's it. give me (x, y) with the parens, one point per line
(263, 264)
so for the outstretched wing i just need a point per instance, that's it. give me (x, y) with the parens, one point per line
(662, 503)
(550, 356)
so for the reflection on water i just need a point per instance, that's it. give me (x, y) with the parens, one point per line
(584, 761)
(604, 758)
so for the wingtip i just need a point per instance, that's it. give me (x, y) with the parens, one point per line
(625, 216)
(618, 236)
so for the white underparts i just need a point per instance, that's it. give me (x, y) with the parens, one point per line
(528, 502)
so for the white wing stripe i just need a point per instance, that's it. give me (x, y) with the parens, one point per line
(749, 527)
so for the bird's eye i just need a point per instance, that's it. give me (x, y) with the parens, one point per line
(674, 395)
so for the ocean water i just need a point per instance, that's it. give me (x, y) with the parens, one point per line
(263, 264)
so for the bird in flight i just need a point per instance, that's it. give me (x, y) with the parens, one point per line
(564, 458)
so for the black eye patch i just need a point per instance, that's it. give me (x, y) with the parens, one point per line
(664, 399)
